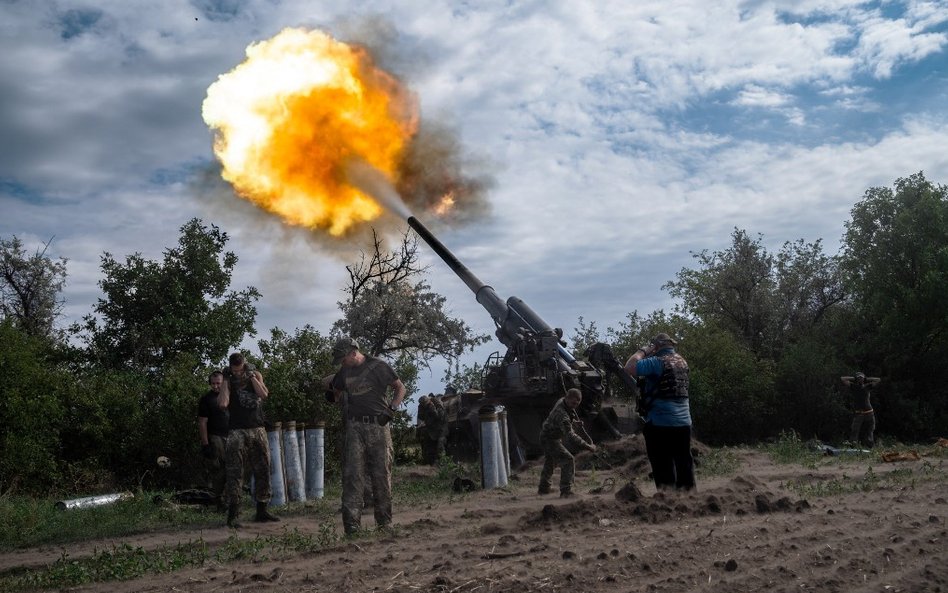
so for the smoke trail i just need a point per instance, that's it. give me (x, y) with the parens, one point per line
(373, 182)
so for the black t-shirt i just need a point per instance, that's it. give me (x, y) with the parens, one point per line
(365, 387)
(246, 407)
(217, 417)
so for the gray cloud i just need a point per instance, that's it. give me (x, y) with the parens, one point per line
(605, 140)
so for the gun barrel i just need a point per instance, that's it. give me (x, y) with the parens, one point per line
(483, 293)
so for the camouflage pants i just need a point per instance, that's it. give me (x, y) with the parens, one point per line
(432, 447)
(248, 447)
(863, 427)
(367, 458)
(555, 455)
(215, 469)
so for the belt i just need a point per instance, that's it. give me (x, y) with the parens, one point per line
(864, 411)
(373, 419)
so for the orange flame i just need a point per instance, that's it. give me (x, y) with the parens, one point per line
(290, 119)
(445, 204)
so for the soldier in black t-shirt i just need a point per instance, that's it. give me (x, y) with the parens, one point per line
(361, 387)
(242, 394)
(212, 428)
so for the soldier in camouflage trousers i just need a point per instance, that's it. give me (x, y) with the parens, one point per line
(361, 387)
(242, 394)
(558, 427)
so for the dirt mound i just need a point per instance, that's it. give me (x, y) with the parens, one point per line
(627, 456)
(742, 495)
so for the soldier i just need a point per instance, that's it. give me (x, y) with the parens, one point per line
(362, 382)
(242, 395)
(864, 418)
(213, 423)
(666, 412)
(433, 433)
(557, 427)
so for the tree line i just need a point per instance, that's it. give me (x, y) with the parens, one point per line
(767, 335)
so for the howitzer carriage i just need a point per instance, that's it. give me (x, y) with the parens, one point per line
(534, 373)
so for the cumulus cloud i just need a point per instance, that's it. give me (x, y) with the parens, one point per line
(610, 138)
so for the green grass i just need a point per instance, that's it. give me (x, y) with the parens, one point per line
(789, 449)
(907, 477)
(718, 462)
(26, 522)
(125, 562)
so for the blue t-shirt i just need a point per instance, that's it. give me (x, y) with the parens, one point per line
(661, 411)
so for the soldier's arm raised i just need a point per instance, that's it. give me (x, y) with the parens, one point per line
(256, 379)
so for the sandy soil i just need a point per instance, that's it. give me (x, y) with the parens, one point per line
(740, 533)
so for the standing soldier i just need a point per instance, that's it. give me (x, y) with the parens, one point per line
(213, 423)
(433, 433)
(558, 427)
(864, 418)
(666, 412)
(243, 394)
(362, 383)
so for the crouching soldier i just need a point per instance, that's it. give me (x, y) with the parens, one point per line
(558, 427)
(433, 433)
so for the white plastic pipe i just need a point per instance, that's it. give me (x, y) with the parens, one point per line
(92, 501)
(490, 451)
(301, 443)
(277, 485)
(315, 447)
(504, 440)
(292, 471)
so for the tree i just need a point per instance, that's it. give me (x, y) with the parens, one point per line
(895, 260)
(31, 411)
(154, 311)
(30, 287)
(295, 365)
(391, 313)
(764, 300)
(463, 377)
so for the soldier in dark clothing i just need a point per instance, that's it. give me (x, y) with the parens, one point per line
(433, 428)
(864, 418)
(243, 394)
(213, 422)
(559, 427)
(362, 384)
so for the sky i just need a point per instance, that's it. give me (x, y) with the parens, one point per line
(620, 137)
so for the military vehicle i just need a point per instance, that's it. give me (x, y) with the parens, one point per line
(531, 376)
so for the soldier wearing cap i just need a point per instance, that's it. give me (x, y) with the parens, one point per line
(666, 412)
(864, 418)
(362, 383)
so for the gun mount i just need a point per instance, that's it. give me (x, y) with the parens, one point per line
(535, 372)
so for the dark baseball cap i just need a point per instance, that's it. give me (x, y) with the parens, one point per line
(343, 346)
(662, 339)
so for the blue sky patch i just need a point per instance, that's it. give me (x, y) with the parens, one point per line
(76, 22)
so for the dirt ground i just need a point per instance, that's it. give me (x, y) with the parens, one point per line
(739, 533)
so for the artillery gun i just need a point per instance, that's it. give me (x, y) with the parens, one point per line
(532, 375)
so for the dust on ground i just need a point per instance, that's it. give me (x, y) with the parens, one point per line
(745, 532)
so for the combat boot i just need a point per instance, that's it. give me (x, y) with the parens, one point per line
(543, 489)
(232, 512)
(262, 514)
(567, 493)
